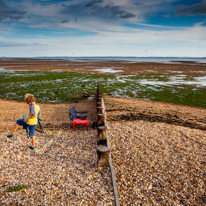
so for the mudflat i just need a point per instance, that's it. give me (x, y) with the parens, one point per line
(190, 68)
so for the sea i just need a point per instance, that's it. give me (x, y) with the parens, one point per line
(130, 59)
(136, 59)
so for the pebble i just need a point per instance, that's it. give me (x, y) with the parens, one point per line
(61, 171)
(158, 163)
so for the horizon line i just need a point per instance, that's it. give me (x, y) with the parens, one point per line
(106, 57)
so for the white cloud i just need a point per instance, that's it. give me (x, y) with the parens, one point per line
(179, 42)
(91, 34)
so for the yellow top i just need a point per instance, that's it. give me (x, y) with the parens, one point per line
(34, 109)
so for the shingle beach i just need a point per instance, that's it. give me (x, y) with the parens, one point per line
(157, 160)
(157, 163)
(62, 170)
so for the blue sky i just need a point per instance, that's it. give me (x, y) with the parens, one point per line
(31, 28)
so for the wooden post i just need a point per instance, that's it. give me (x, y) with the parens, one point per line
(99, 104)
(100, 120)
(102, 135)
(103, 156)
(99, 99)
(99, 110)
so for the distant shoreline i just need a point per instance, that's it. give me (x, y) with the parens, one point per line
(129, 58)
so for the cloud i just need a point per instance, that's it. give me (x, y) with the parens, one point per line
(122, 43)
(115, 10)
(11, 15)
(2, 3)
(138, 4)
(92, 3)
(11, 44)
(104, 24)
(118, 12)
(127, 16)
(65, 20)
(54, 14)
(197, 9)
(15, 44)
(166, 16)
(112, 11)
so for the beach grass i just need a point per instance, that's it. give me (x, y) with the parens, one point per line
(17, 188)
(62, 87)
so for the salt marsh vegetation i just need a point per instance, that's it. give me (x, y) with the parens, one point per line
(60, 87)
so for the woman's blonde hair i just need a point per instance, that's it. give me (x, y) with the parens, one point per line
(29, 98)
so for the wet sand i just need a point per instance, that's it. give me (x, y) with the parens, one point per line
(106, 66)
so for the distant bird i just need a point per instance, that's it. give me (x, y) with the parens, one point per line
(145, 50)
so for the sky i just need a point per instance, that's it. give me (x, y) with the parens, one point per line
(140, 28)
